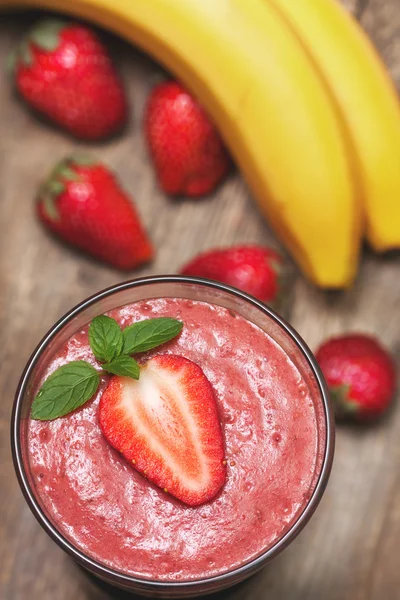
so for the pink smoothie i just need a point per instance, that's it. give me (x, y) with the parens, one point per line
(269, 423)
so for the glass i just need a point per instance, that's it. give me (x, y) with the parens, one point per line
(175, 287)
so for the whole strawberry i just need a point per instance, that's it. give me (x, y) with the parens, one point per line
(188, 153)
(360, 374)
(82, 202)
(63, 71)
(253, 269)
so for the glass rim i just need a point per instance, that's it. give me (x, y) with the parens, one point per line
(125, 580)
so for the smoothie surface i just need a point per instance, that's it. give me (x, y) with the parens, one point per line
(112, 513)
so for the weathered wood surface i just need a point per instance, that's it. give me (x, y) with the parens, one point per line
(351, 548)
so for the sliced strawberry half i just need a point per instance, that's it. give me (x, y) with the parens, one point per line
(166, 425)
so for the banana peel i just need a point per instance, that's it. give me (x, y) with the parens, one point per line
(368, 102)
(255, 78)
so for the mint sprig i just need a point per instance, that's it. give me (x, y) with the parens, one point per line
(73, 384)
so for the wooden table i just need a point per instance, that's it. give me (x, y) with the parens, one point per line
(351, 548)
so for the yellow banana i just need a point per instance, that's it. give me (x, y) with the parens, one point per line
(368, 101)
(242, 61)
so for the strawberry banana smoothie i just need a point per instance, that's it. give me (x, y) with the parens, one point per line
(268, 428)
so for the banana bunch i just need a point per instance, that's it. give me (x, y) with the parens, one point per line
(302, 101)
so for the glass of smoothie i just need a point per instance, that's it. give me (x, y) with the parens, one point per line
(277, 429)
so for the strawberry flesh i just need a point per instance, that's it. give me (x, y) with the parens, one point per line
(166, 425)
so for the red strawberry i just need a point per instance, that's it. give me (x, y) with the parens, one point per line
(83, 203)
(253, 269)
(166, 425)
(360, 374)
(63, 71)
(187, 151)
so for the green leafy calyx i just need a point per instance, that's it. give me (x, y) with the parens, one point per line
(83, 160)
(56, 183)
(46, 34)
(343, 405)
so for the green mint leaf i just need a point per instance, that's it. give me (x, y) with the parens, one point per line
(105, 338)
(65, 390)
(150, 333)
(123, 365)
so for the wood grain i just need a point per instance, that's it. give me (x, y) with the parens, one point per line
(350, 550)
